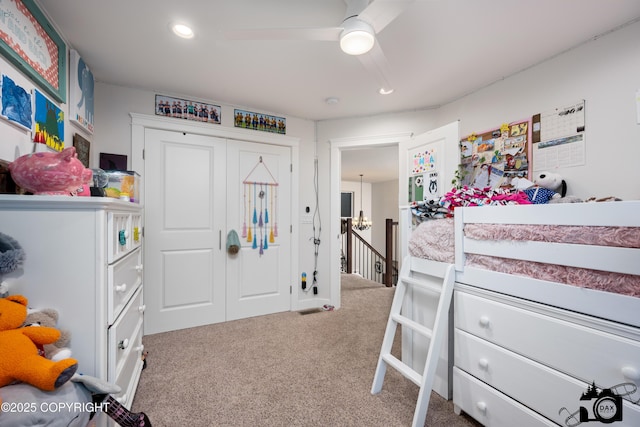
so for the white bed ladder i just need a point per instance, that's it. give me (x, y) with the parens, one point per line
(435, 336)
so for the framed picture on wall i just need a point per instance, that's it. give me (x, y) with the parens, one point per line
(49, 122)
(16, 104)
(29, 41)
(81, 84)
(83, 149)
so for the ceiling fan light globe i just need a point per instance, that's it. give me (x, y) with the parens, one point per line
(357, 37)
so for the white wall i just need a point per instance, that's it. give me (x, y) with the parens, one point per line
(605, 72)
(384, 200)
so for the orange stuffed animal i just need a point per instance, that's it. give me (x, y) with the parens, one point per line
(19, 358)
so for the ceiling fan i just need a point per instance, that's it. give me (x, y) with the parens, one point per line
(356, 34)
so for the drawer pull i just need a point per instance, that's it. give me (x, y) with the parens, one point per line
(484, 364)
(142, 308)
(631, 373)
(123, 344)
(121, 288)
(484, 321)
(482, 407)
(122, 237)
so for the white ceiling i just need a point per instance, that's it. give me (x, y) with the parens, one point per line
(437, 50)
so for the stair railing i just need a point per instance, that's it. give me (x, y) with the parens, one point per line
(368, 262)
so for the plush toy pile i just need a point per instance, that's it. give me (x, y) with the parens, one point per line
(19, 356)
(26, 337)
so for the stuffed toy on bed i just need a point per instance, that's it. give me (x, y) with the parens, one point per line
(546, 186)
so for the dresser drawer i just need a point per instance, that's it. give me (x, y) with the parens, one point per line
(124, 336)
(124, 234)
(124, 277)
(582, 352)
(489, 406)
(129, 374)
(544, 390)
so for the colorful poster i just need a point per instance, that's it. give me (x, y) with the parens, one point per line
(81, 93)
(16, 104)
(49, 119)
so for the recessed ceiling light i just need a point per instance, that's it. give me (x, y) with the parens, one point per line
(182, 30)
(332, 100)
(384, 91)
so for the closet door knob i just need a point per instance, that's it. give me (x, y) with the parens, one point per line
(123, 344)
(142, 308)
(484, 321)
(631, 373)
(484, 364)
(121, 288)
(482, 407)
(139, 268)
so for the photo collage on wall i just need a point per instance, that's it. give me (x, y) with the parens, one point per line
(494, 158)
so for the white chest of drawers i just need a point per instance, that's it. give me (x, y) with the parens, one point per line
(520, 360)
(84, 258)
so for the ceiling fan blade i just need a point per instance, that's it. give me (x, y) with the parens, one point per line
(322, 34)
(380, 13)
(376, 64)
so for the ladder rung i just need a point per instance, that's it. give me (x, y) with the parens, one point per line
(429, 287)
(403, 368)
(415, 326)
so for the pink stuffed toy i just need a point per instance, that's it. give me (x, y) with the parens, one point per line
(50, 173)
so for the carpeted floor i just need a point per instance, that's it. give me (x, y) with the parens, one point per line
(286, 369)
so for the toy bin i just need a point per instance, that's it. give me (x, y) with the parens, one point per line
(123, 185)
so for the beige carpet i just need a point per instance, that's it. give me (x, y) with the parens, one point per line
(286, 369)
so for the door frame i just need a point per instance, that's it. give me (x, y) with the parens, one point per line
(337, 145)
(140, 122)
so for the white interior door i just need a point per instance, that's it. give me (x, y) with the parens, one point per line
(259, 201)
(185, 193)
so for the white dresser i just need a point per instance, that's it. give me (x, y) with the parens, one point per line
(84, 258)
(518, 362)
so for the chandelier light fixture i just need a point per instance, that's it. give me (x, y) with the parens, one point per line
(361, 222)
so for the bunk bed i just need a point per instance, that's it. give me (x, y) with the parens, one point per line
(552, 293)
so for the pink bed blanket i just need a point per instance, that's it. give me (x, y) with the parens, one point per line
(434, 240)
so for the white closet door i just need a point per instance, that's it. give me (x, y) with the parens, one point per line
(258, 281)
(185, 254)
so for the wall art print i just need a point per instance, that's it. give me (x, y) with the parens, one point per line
(49, 122)
(29, 41)
(81, 92)
(16, 104)
(188, 110)
(83, 149)
(257, 121)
